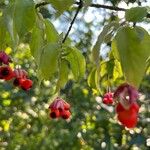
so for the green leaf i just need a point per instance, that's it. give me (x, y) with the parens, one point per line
(115, 50)
(88, 2)
(63, 74)
(132, 45)
(36, 43)
(61, 5)
(9, 23)
(136, 14)
(77, 62)
(107, 68)
(49, 60)
(117, 72)
(6, 30)
(24, 16)
(2, 33)
(93, 78)
(51, 32)
(96, 49)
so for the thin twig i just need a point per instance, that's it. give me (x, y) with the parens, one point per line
(105, 6)
(72, 22)
(108, 7)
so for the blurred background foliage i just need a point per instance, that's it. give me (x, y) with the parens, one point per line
(24, 116)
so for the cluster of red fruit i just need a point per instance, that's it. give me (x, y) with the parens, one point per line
(59, 108)
(127, 108)
(19, 75)
(108, 98)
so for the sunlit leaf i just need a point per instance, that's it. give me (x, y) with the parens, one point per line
(6, 102)
(91, 78)
(117, 72)
(133, 49)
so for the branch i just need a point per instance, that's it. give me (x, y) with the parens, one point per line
(41, 4)
(93, 5)
(108, 7)
(105, 6)
(72, 22)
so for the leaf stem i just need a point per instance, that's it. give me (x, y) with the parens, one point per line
(80, 5)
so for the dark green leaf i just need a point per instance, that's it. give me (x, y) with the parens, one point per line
(24, 16)
(9, 23)
(49, 60)
(136, 14)
(51, 33)
(77, 62)
(63, 74)
(61, 5)
(2, 33)
(36, 43)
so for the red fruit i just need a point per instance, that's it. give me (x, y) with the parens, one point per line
(108, 95)
(18, 81)
(26, 84)
(54, 113)
(20, 73)
(119, 108)
(128, 117)
(66, 106)
(135, 107)
(57, 104)
(65, 114)
(105, 100)
(4, 58)
(61, 106)
(6, 73)
(108, 98)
